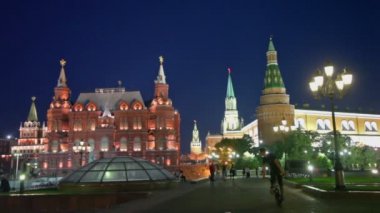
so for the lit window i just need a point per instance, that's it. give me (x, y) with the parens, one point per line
(368, 127)
(137, 144)
(300, 123)
(327, 124)
(320, 125)
(351, 125)
(345, 126)
(123, 144)
(374, 126)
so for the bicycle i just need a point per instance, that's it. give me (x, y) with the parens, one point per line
(277, 194)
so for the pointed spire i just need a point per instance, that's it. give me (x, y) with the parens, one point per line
(33, 111)
(273, 78)
(271, 46)
(195, 125)
(161, 78)
(230, 88)
(62, 76)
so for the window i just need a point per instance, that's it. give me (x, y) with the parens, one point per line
(161, 143)
(374, 126)
(54, 146)
(123, 123)
(320, 124)
(351, 125)
(104, 144)
(348, 125)
(327, 124)
(137, 144)
(123, 144)
(323, 124)
(300, 123)
(370, 126)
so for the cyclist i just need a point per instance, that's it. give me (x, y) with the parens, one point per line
(276, 171)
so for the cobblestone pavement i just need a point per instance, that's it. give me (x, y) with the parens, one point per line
(240, 195)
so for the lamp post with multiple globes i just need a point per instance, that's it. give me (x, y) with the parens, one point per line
(332, 85)
(283, 128)
(81, 148)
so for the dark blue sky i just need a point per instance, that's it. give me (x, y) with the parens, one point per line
(121, 40)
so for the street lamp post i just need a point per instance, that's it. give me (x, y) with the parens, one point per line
(81, 148)
(284, 128)
(17, 155)
(332, 85)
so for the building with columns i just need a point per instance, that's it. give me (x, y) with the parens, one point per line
(109, 122)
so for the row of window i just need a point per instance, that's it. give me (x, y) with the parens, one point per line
(137, 123)
(104, 144)
(346, 125)
(92, 107)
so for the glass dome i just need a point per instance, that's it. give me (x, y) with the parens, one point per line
(120, 171)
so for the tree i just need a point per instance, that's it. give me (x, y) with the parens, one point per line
(233, 150)
(360, 157)
(239, 145)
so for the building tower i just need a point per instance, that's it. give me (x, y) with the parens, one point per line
(274, 102)
(231, 124)
(166, 134)
(57, 115)
(32, 139)
(195, 144)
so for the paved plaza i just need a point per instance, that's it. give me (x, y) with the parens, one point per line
(240, 195)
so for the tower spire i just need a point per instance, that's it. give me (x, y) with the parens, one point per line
(161, 78)
(230, 87)
(32, 116)
(62, 76)
(273, 78)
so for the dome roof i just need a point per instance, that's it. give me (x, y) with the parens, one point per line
(118, 169)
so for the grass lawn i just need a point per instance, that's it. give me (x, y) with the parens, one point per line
(353, 183)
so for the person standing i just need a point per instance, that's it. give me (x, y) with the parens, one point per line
(212, 172)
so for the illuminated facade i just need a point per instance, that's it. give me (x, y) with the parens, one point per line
(275, 106)
(195, 144)
(111, 121)
(231, 124)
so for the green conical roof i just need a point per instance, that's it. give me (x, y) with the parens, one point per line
(271, 46)
(33, 111)
(273, 78)
(230, 88)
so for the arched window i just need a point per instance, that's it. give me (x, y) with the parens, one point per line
(104, 144)
(320, 125)
(123, 144)
(345, 126)
(123, 123)
(91, 107)
(123, 106)
(137, 106)
(351, 125)
(368, 127)
(91, 124)
(300, 123)
(54, 146)
(160, 144)
(327, 124)
(374, 126)
(137, 144)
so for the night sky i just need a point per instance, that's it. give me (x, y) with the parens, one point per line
(121, 40)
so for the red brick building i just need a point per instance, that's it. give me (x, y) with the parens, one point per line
(110, 122)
